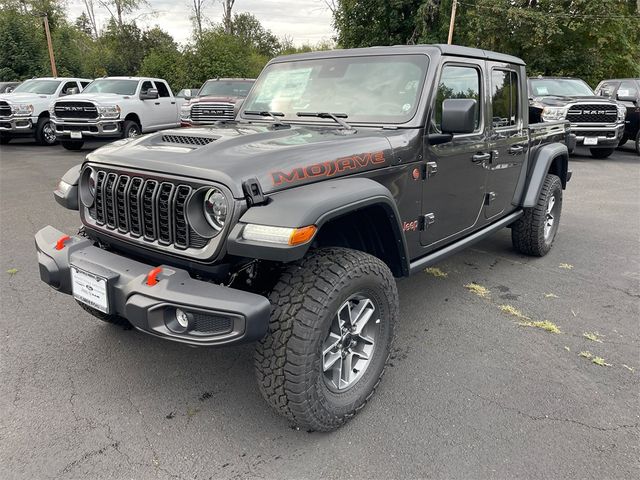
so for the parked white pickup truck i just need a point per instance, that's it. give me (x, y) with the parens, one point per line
(25, 111)
(115, 107)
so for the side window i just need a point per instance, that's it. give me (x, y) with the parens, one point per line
(84, 84)
(146, 85)
(68, 86)
(504, 97)
(628, 89)
(163, 90)
(607, 89)
(457, 82)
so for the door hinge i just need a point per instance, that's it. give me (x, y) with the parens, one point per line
(253, 192)
(426, 220)
(431, 169)
(489, 197)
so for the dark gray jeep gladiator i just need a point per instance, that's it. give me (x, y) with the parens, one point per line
(287, 226)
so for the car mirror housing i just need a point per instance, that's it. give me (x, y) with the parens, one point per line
(150, 94)
(459, 115)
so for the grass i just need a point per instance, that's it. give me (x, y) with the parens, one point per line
(544, 325)
(436, 272)
(586, 354)
(478, 289)
(600, 361)
(592, 336)
(550, 295)
(12, 271)
(628, 367)
(566, 266)
(513, 311)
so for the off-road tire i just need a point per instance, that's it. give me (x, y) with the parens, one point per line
(112, 319)
(601, 152)
(74, 146)
(41, 135)
(288, 361)
(527, 233)
(128, 127)
(623, 140)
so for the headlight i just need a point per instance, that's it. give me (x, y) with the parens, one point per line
(21, 109)
(109, 111)
(88, 181)
(622, 112)
(216, 208)
(279, 235)
(185, 112)
(550, 114)
(52, 110)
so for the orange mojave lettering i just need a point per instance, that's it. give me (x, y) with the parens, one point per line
(328, 169)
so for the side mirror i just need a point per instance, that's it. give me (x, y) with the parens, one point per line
(9, 89)
(150, 94)
(72, 91)
(459, 115)
(188, 94)
(626, 98)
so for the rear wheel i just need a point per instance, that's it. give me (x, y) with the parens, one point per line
(45, 132)
(330, 335)
(601, 152)
(72, 145)
(130, 129)
(534, 232)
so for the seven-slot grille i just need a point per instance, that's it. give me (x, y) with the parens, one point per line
(148, 209)
(212, 112)
(5, 109)
(593, 113)
(81, 110)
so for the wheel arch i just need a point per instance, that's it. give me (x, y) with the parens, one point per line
(134, 118)
(550, 159)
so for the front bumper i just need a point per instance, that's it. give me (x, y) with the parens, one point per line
(608, 136)
(93, 128)
(18, 125)
(231, 316)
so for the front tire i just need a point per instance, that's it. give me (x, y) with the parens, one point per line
(601, 152)
(45, 132)
(130, 129)
(330, 335)
(73, 146)
(534, 232)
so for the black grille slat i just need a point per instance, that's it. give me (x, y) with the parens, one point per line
(5, 109)
(153, 209)
(592, 113)
(211, 324)
(187, 140)
(76, 110)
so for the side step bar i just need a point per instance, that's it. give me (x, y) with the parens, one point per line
(445, 252)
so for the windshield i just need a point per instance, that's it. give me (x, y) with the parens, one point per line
(371, 89)
(225, 88)
(559, 87)
(43, 87)
(107, 85)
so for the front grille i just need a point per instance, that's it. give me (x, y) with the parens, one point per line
(592, 113)
(5, 109)
(187, 140)
(147, 209)
(212, 112)
(594, 133)
(211, 324)
(76, 110)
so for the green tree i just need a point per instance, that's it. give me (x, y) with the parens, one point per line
(23, 45)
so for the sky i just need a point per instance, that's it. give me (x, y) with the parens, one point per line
(305, 21)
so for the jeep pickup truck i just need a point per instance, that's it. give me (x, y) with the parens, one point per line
(627, 92)
(219, 99)
(597, 123)
(115, 107)
(25, 111)
(286, 227)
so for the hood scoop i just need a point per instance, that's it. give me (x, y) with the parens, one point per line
(187, 140)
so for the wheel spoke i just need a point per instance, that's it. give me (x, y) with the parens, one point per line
(552, 202)
(330, 343)
(336, 376)
(363, 313)
(347, 366)
(330, 360)
(342, 321)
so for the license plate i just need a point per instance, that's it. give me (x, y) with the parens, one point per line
(76, 134)
(590, 140)
(90, 289)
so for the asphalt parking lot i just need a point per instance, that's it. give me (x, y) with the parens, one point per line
(470, 392)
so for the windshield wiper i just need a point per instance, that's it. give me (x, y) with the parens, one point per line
(336, 117)
(273, 115)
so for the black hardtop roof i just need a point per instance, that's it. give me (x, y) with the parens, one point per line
(453, 50)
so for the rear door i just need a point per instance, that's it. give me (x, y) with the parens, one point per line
(508, 137)
(453, 193)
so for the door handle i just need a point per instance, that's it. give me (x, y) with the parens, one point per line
(516, 149)
(173, 103)
(157, 103)
(481, 157)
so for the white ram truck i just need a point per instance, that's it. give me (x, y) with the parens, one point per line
(25, 111)
(115, 107)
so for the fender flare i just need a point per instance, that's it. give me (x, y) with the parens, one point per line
(315, 204)
(545, 156)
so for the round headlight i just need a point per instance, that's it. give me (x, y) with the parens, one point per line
(92, 182)
(216, 208)
(88, 186)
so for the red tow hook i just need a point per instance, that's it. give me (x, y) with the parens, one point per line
(152, 276)
(61, 240)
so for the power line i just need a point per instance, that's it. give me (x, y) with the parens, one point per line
(531, 12)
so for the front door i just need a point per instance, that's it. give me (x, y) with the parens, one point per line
(453, 195)
(508, 138)
(167, 109)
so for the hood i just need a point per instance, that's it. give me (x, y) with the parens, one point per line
(279, 158)
(214, 99)
(23, 97)
(560, 101)
(95, 97)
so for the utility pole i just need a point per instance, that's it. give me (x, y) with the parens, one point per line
(453, 20)
(54, 71)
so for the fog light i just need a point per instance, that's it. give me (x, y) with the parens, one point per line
(182, 318)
